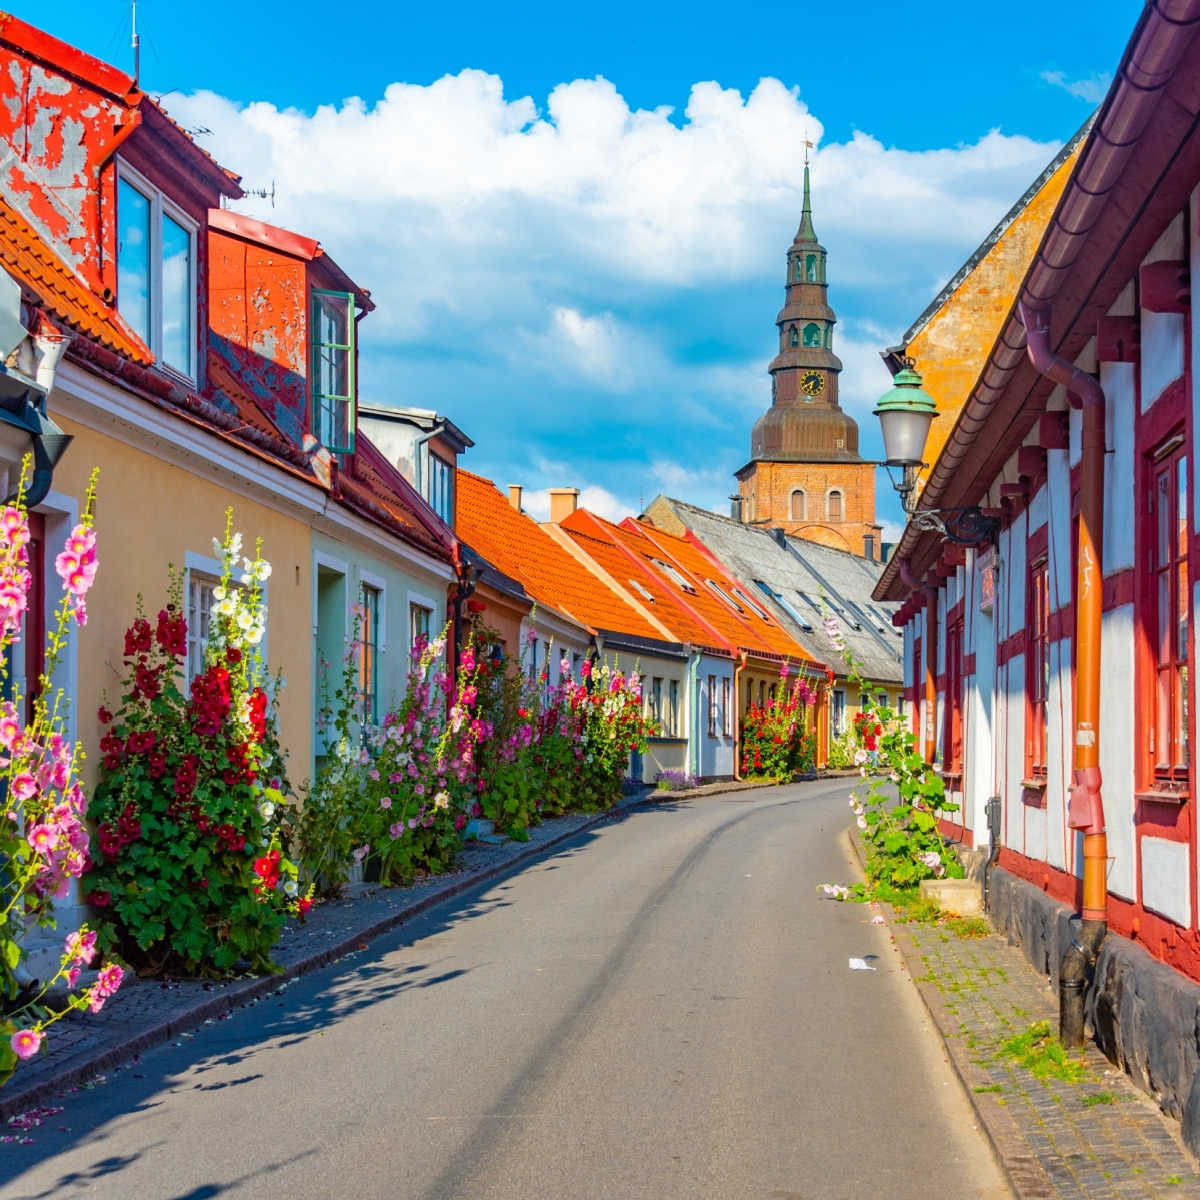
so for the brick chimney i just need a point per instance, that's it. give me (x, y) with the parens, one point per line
(563, 502)
(514, 495)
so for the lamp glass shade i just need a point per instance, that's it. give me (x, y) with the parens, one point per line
(904, 436)
(905, 414)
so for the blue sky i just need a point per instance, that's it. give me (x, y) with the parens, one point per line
(575, 224)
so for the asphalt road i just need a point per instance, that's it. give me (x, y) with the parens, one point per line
(664, 1008)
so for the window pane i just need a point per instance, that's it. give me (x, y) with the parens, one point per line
(332, 319)
(1181, 511)
(177, 338)
(133, 258)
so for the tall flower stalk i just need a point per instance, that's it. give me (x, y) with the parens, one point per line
(43, 839)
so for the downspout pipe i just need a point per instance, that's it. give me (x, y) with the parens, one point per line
(739, 667)
(693, 691)
(930, 647)
(1086, 809)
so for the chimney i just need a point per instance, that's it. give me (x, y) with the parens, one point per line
(563, 502)
(735, 507)
(514, 495)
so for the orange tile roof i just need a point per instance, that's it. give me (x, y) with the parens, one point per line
(750, 633)
(30, 261)
(600, 541)
(516, 545)
(701, 566)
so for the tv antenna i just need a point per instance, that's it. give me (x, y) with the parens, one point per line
(137, 47)
(259, 193)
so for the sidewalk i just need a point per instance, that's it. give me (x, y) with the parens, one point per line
(1099, 1138)
(146, 1013)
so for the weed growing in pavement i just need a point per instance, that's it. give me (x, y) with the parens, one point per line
(1098, 1098)
(988, 1087)
(1042, 1054)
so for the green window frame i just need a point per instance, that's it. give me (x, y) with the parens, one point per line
(333, 374)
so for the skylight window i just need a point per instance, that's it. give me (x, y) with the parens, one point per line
(784, 604)
(754, 604)
(672, 574)
(720, 592)
(645, 593)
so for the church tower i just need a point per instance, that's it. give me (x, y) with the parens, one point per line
(805, 474)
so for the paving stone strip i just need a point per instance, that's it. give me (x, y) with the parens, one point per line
(148, 1012)
(1098, 1138)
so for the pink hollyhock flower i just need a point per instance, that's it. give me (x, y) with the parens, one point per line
(361, 852)
(385, 802)
(82, 946)
(23, 786)
(106, 985)
(397, 829)
(42, 838)
(73, 974)
(26, 1042)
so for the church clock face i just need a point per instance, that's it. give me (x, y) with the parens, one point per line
(813, 383)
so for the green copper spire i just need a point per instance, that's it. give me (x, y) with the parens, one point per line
(806, 232)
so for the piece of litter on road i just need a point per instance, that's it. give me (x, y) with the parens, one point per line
(858, 964)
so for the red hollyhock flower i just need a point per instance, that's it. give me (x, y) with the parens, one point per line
(302, 907)
(104, 715)
(100, 899)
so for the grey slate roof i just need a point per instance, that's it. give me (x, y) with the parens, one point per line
(798, 575)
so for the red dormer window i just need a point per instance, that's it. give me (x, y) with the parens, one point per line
(156, 272)
(333, 382)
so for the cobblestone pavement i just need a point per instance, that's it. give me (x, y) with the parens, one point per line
(1099, 1138)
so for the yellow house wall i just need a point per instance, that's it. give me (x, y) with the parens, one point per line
(150, 513)
(951, 348)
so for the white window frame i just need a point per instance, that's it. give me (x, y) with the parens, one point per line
(160, 206)
(420, 600)
(205, 568)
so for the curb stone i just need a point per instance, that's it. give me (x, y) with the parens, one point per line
(133, 1036)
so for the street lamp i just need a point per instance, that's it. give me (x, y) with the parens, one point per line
(905, 414)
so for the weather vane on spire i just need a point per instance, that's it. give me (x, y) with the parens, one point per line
(807, 147)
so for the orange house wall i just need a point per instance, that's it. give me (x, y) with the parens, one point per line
(951, 348)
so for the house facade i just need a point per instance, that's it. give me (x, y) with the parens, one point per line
(1054, 667)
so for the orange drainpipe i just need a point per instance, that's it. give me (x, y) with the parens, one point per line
(1086, 809)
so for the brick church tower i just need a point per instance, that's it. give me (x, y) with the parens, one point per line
(805, 474)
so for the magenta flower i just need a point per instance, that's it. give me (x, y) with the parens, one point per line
(26, 1042)
(42, 838)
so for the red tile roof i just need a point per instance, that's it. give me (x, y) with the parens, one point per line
(29, 260)
(518, 546)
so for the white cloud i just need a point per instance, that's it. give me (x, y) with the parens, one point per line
(1093, 89)
(575, 280)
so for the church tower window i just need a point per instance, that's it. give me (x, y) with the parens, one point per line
(798, 270)
(835, 506)
(798, 505)
(812, 334)
(794, 336)
(810, 268)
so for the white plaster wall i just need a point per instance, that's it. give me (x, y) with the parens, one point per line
(1166, 875)
(1059, 755)
(1058, 542)
(1118, 381)
(1116, 747)
(1014, 577)
(1038, 509)
(1014, 753)
(1162, 333)
(978, 709)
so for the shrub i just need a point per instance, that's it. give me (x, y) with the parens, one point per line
(189, 871)
(775, 743)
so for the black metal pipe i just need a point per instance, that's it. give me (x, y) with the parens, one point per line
(1074, 976)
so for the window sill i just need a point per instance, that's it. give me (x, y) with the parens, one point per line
(1156, 796)
(1036, 784)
